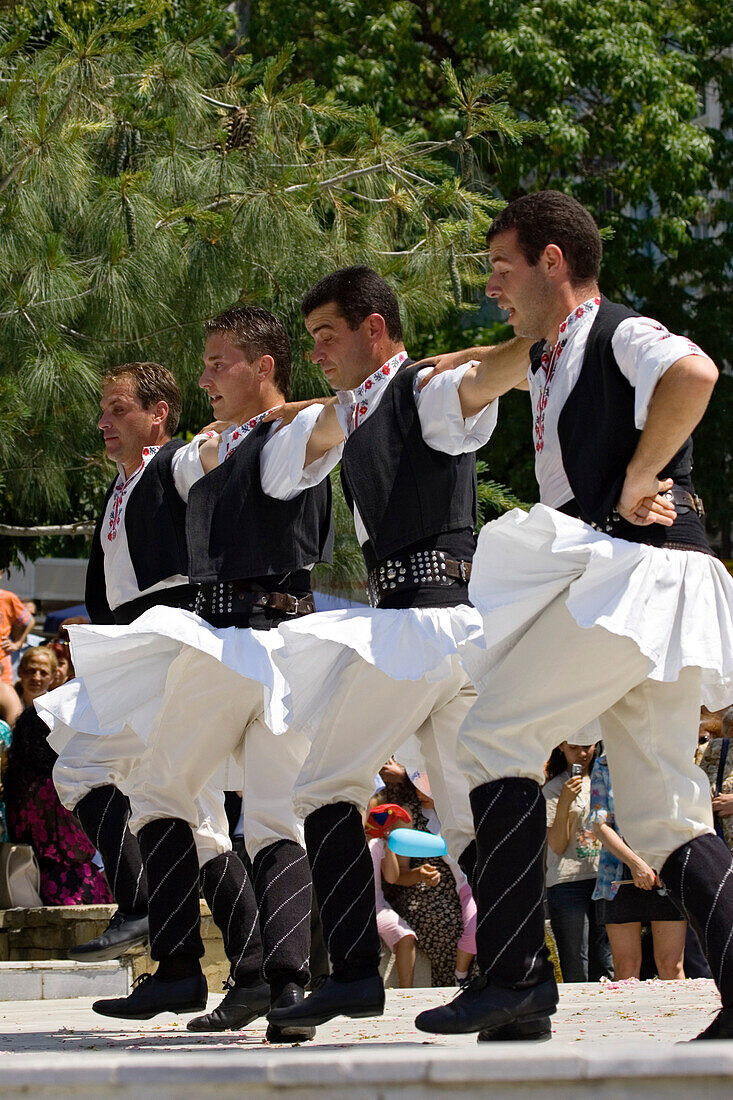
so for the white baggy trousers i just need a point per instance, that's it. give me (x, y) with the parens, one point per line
(556, 679)
(209, 712)
(90, 760)
(368, 717)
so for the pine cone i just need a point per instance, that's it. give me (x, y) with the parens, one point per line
(240, 127)
(130, 222)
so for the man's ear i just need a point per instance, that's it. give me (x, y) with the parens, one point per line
(160, 412)
(376, 326)
(265, 367)
(553, 259)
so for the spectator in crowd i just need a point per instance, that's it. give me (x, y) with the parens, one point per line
(717, 763)
(433, 899)
(15, 624)
(36, 674)
(708, 730)
(33, 812)
(573, 853)
(393, 930)
(64, 667)
(630, 894)
(6, 737)
(10, 704)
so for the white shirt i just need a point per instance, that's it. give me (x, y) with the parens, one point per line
(119, 574)
(281, 459)
(439, 408)
(644, 350)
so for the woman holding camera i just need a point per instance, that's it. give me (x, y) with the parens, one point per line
(629, 894)
(572, 861)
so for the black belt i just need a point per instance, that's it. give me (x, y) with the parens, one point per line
(238, 597)
(685, 501)
(179, 595)
(418, 569)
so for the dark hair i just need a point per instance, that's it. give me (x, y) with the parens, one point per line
(152, 383)
(550, 217)
(257, 332)
(558, 763)
(357, 292)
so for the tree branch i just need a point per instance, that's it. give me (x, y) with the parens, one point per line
(80, 528)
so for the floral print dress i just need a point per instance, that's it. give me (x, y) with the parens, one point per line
(35, 816)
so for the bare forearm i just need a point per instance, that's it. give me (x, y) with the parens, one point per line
(327, 433)
(500, 368)
(610, 839)
(19, 633)
(676, 408)
(558, 834)
(390, 866)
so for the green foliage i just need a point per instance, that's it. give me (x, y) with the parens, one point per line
(146, 183)
(620, 86)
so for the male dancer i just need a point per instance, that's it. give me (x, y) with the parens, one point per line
(362, 681)
(139, 560)
(251, 554)
(603, 601)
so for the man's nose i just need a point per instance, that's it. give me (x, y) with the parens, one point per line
(492, 288)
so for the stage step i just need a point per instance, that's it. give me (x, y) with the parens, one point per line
(53, 979)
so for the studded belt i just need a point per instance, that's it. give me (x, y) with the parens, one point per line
(232, 597)
(422, 567)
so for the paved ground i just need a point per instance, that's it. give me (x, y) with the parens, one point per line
(611, 1042)
(654, 1011)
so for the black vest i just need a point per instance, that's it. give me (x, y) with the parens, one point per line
(235, 531)
(407, 493)
(598, 437)
(155, 525)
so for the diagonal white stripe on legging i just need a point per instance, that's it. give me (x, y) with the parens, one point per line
(235, 965)
(306, 916)
(101, 820)
(155, 847)
(340, 880)
(282, 905)
(516, 933)
(170, 917)
(346, 913)
(233, 910)
(538, 854)
(719, 891)
(506, 836)
(349, 810)
(137, 885)
(284, 871)
(185, 855)
(372, 916)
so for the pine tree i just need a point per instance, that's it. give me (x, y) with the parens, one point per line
(145, 184)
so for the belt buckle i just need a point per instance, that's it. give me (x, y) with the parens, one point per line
(462, 571)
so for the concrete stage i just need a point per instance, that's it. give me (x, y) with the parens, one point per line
(610, 1042)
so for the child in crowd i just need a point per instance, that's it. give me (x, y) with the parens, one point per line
(433, 910)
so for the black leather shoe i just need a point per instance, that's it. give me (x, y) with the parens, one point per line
(291, 996)
(528, 1031)
(149, 997)
(485, 1007)
(121, 933)
(720, 1028)
(241, 1005)
(364, 997)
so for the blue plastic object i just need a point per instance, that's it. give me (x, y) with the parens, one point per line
(412, 842)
